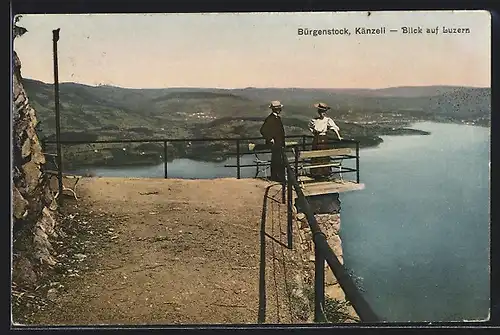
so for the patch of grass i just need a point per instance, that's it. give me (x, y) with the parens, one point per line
(301, 309)
(335, 311)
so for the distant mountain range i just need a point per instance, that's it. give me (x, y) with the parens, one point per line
(89, 113)
(95, 106)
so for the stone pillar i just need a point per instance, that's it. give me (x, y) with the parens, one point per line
(327, 214)
(330, 225)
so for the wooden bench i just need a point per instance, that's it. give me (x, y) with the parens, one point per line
(261, 164)
(305, 165)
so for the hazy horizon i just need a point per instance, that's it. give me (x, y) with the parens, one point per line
(258, 50)
(254, 87)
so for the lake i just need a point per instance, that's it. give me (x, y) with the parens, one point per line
(183, 168)
(417, 237)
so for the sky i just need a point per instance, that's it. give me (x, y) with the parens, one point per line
(236, 50)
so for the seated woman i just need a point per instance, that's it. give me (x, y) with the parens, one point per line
(320, 126)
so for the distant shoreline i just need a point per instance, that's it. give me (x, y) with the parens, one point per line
(410, 130)
(210, 157)
(203, 154)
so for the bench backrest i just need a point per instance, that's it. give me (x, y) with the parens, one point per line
(324, 153)
(258, 147)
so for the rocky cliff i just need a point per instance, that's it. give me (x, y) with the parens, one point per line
(33, 221)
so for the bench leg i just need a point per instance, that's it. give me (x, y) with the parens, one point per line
(76, 184)
(74, 193)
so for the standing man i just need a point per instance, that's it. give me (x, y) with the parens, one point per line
(320, 126)
(274, 133)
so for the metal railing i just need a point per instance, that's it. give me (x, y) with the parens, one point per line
(322, 253)
(239, 152)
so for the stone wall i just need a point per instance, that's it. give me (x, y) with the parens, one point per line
(33, 221)
(330, 226)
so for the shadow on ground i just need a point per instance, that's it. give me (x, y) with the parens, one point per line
(276, 278)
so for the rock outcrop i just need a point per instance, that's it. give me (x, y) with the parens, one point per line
(33, 223)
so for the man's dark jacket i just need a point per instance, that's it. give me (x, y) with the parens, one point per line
(273, 128)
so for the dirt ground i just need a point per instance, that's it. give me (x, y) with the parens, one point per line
(167, 251)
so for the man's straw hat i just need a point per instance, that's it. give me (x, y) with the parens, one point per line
(275, 104)
(322, 106)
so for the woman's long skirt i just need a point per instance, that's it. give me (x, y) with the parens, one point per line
(320, 143)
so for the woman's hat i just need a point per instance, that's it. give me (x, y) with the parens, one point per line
(322, 106)
(275, 104)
